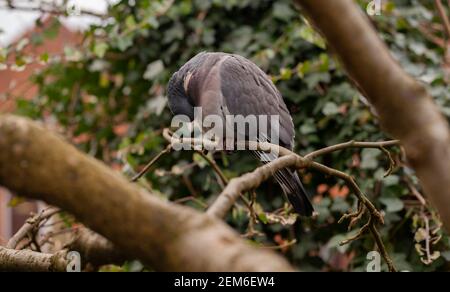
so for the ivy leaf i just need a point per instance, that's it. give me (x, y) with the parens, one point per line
(369, 158)
(100, 49)
(310, 35)
(330, 109)
(153, 70)
(392, 204)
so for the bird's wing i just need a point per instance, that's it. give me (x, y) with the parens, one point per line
(247, 90)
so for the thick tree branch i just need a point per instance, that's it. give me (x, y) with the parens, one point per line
(93, 248)
(163, 235)
(29, 261)
(405, 108)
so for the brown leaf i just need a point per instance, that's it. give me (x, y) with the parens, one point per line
(322, 188)
(121, 129)
(82, 138)
(338, 192)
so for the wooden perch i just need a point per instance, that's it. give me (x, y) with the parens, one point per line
(165, 236)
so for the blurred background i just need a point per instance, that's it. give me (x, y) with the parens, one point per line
(21, 20)
(96, 72)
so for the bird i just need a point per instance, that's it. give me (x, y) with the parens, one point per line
(222, 84)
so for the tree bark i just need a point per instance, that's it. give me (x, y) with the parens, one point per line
(29, 261)
(165, 236)
(404, 107)
(94, 250)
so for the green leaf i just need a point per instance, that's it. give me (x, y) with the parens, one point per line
(391, 180)
(392, 204)
(262, 217)
(44, 58)
(3, 54)
(16, 201)
(199, 160)
(124, 42)
(153, 70)
(307, 128)
(310, 35)
(369, 158)
(100, 49)
(52, 31)
(130, 22)
(330, 109)
(283, 11)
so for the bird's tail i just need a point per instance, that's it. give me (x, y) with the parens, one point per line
(294, 191)
(292, 188)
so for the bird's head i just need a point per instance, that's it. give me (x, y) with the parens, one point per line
(180, 102)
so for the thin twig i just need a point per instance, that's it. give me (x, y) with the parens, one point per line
(53, 10)
(189, 185)
(427, 240)
(214, 165)
(193, 199)
(351, 144)
(30, 225)
(444, 17)
(151, 163)
(47, 237)
(415, 192)
(430, 36)
(283, 246)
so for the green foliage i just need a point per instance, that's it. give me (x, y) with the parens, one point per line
(109, 96)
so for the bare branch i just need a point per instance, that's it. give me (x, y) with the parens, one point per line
(216, 168)
(351, 144)
(404, 107)
(444, 17)
(48, 8)
(151, 163)
(252, 180)
(93, 248)
(31, 225)
(248, 181)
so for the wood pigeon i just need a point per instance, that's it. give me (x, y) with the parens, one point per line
(218, 81)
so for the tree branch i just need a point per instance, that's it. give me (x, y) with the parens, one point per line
(29, 261)
(48, 9)
(254, 179)
(165, 236)
(351, 144)
(30, 226)
(150, 164)
(404, 107)
(444, 17)
(93, 248)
